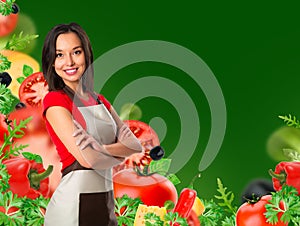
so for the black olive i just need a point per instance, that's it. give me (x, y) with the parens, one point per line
(5, 79)
(15, 8)
(157, 153)
(20, 105)
(257, 187)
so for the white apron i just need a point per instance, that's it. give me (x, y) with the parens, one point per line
(84, 196)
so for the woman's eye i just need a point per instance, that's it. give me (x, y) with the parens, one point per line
(77, 52)
(58, 55)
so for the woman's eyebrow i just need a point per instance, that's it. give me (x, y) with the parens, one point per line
(77, 47)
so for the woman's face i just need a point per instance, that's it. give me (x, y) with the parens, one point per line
(69, 62)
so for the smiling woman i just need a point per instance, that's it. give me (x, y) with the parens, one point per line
(89, 136)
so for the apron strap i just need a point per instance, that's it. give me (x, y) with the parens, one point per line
(75, 98)
(74, 166)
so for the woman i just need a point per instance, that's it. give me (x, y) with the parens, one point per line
(89, 136)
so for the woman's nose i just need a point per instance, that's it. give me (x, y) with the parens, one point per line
(70, 60)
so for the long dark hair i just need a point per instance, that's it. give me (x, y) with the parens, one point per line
(49, 54)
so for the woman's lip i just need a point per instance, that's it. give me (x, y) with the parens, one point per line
(71, 71)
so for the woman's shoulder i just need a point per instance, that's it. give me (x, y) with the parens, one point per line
(56, 98)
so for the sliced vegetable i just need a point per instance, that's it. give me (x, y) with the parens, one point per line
(33, 89)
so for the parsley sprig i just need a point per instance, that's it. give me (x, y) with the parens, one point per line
(221, 210)
(14, 131)
(125, 209)
(285, 202)
(6, 99)
(152, 219)
(22, 211)
(20, 41)
(4, 63)
(6, 7)
(290, 120)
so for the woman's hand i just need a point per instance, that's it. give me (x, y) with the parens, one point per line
(84, 139)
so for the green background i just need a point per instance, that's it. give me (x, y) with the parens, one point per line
(252, 49)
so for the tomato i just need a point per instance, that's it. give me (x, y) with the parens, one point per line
(148, 138)
(8, 24)
(33, 89)
(153, 190)
(144, 133)
(193, 219)
(253, 214)
(36, 125)
(3, 127)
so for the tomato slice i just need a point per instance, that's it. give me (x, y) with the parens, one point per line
(148, 138)
(33, 89)
(8, 24)
(144, 132)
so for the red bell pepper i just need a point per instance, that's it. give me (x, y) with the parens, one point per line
(28, 177)
(286, 173)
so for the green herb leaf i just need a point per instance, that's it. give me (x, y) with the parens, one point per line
(19, 42)
(27, 70)
(173, 178)
(290, 120)
(153, 220)
(4, 178)
(161, 166)
(125, 209)
(213, 213)
(6, 100)
(175, 218)
(4, 62)
(226, 197)
(288, 196)
(32, 210)
(21, 79)
(6, 7)
(32, 156)
(14, 131)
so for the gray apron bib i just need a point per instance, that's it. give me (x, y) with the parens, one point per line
(84, 196)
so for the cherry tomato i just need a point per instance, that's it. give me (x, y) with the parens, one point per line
(153, 190)
(33, 89)
(253, 214)
(8, 24)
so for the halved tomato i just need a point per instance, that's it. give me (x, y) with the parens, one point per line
(148, 138)
(33, 89)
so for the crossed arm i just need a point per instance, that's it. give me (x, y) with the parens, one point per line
(87, 151)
